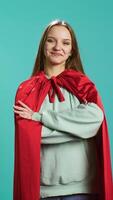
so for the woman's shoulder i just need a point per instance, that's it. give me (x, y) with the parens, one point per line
(26, 86)
(23, 85)
(81, 77)
(29, 81)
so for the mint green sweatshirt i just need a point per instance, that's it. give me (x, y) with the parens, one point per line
(68, 151)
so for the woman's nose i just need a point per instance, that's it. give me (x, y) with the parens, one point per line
(57, 46)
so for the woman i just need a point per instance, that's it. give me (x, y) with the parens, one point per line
(61, 140)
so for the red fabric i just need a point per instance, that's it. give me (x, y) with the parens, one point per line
(28, 133)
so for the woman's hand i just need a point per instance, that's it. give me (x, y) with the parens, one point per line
(23, 110)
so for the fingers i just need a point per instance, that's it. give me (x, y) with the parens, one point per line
(19, 108)
(18, 112)
(23, 110)
(24, 105)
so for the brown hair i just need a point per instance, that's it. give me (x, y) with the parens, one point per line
(73, 62)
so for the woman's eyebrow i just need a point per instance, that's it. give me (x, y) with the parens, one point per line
(55, 38)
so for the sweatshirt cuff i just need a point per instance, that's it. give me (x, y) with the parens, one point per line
(36, 116)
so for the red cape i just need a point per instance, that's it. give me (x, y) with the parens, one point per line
(28, 133)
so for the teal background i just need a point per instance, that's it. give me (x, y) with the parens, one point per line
(21, 27)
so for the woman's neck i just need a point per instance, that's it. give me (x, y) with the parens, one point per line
(53, 70)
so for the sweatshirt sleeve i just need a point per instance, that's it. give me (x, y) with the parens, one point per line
(50, 136)
(83, 121)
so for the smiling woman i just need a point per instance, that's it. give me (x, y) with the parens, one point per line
(67, 37)
(61, 138)
(57, 49)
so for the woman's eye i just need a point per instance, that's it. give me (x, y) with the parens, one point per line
(66, 43)
(50, 40)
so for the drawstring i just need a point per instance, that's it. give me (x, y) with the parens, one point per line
(55, 89)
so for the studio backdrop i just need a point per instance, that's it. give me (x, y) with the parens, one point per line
(21, 26)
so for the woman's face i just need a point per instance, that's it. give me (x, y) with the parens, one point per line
(58, 45)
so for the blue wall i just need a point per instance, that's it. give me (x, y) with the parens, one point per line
(21, 26)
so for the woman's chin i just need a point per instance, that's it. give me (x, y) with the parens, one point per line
(56, 62)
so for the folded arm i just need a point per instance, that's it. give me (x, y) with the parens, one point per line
(83, 121)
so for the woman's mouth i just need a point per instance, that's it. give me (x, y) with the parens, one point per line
(56, 54)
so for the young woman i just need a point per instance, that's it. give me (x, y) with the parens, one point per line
(61, 141)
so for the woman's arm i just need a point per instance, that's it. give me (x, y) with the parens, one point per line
(83, 121)
(50, 136)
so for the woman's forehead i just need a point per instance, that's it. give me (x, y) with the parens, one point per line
(59, 30)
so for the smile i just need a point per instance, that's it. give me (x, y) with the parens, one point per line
(56, 54)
